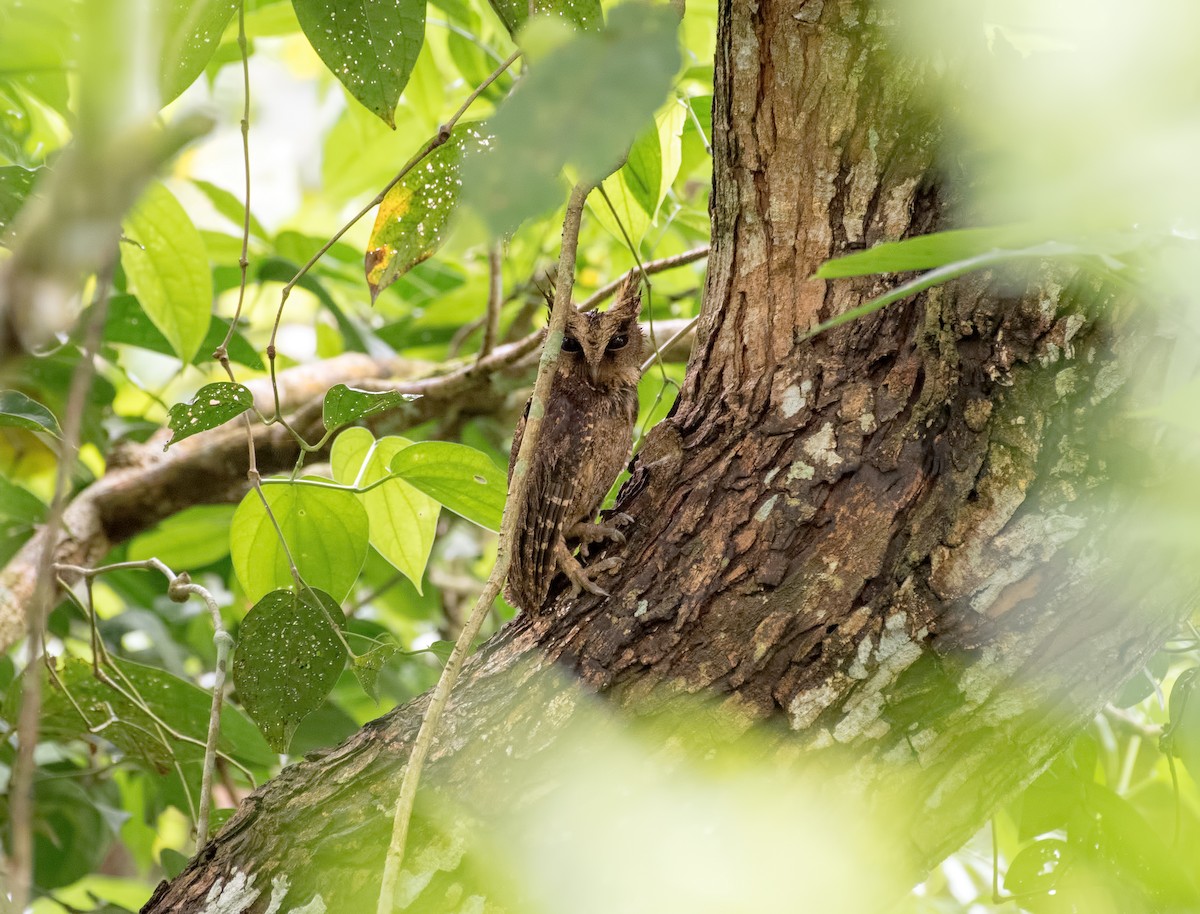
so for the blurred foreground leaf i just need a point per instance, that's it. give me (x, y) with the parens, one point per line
(16, 409)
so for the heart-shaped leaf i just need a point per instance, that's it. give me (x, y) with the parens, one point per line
(325, 530)
(403, 519)
(213, 405)
(463, 479)
(367, 666)
(288, 657)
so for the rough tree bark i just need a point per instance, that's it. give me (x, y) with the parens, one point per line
(880, 537)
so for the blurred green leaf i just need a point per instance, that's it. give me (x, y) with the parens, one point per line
(128, 324)
(1035, 868)
(1182, 736)
(214, 404)
(15, 184)
(403, 519)
(20, 511)
(411, 223)
(188, 540)
(114, 712)
(463, 479)
(166, 267)
(230, 207)
(325, 530)
(344, 405)
(624, 73)
(191, 31)
(371, 48)
(287, 660)
(20, 411)
(70, 835)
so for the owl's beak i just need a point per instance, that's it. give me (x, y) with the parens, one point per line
(594, 372)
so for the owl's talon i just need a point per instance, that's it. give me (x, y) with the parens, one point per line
(579, 578)
(586, 534)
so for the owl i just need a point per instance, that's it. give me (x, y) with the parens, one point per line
(585, 441)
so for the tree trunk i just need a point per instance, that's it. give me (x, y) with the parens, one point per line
(893, 538)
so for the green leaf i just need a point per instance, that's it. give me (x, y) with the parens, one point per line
(584, 13)
(20, 511)
(626, 211)
(166, 267)
(230, 207)
(188, 540)
(15, 184)
(325, 530)
(1035, 869)
(21, 411)
(214, 404)
(344, 405)
(191, 31)
(128, 325)
(289, 656)
(624, 73)
(1182, 736)
(925, 252)
(463, 479)
(411, 223)
(70, 836)
(403, 519)
(117, 710)
(367, 666)
(370, 47)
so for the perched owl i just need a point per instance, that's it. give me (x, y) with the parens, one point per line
(585, 441)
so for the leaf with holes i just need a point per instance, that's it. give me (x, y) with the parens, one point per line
(463, 479)
(213, 405)
(344, 405)
(191, 32)
(166, 267)
(411, 223)
(624, 72)
(403, 520)
(325, 530)
(371, 47)
(288, 657)
(15, 184)
(21, 411)
(586, 14)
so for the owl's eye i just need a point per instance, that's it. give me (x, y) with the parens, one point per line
(617, 342)
(570, 344)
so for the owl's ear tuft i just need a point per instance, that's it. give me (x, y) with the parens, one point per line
(627, 300)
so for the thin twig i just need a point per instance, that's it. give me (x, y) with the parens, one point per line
(649, 268)
(491, 325)
(221, 353)
(438, 139)
(441, 692)
(666, 347)
(21, 789)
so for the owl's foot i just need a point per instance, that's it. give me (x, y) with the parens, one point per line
(579, 578)
(586, 534)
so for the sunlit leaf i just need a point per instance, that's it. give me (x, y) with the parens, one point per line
(288, 657)
(925, 252)
(403, 519)
(344, 405)
(1182, 738)
(213, 405)
(190, 539)
(115, 712)
(411, 223)
(325, 530)
(16, 409)
(370, 47)
(584, 13)
(367, 666)
(1035, 869)
(191, 31)
(624, 73)
(463, 479)
(166, 267)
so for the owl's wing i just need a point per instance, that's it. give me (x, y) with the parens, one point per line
(553, 479)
